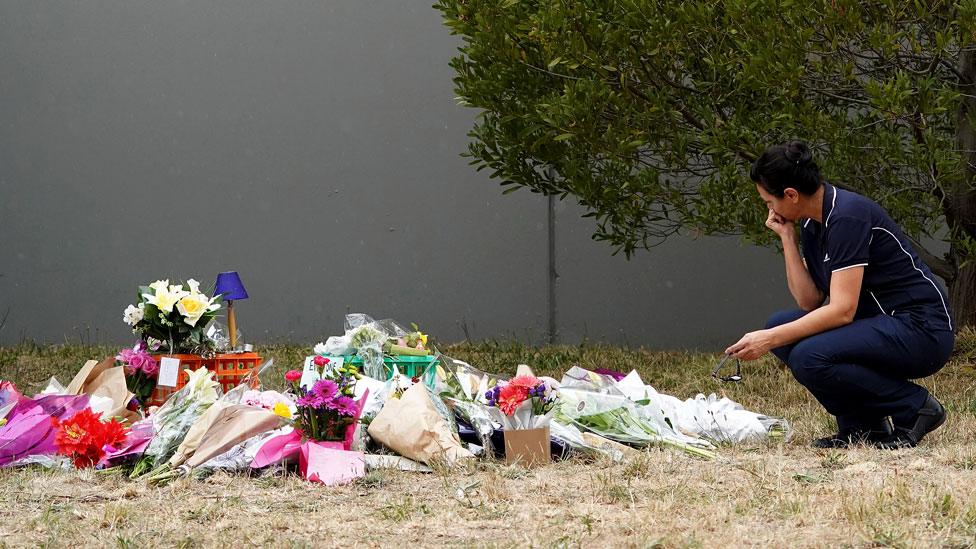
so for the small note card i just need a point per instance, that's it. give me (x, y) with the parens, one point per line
(310, 373)
(169, 371)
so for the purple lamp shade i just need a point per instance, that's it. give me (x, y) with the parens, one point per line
(229, 286)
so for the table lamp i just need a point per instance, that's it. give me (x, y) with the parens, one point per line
(230, 288)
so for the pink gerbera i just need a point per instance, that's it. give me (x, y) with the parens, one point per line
(510, 397)
(527, 382)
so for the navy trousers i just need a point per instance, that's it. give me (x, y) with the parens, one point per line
(860, 372)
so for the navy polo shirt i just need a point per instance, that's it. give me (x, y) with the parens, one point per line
(856, 232)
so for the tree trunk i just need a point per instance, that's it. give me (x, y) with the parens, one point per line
(960, 197)
(962, 296)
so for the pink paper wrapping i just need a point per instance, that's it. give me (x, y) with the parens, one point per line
(9, 397)
(29, 431)
(134, 445)
(278, 449)
(329, 464)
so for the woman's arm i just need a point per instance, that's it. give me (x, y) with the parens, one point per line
(808, 297)
(845, 290)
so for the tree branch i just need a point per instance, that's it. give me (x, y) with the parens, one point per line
(939, 266)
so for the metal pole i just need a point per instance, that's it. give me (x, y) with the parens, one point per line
(552, 274)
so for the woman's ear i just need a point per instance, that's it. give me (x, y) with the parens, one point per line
(791, 194)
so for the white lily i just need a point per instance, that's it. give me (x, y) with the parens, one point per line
(165, 296)
(202, 385)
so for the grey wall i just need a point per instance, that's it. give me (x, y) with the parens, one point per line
(314, 147)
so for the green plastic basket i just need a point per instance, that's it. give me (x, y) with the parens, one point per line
(420, 367)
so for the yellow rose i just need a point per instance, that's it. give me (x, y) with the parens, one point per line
(192, 307)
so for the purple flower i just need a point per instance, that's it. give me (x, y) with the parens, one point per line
(345, 405)
(492, 395)
(310, 400)
(325, 388)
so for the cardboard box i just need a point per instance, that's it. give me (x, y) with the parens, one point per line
(528, 447)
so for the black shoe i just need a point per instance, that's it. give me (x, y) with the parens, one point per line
(930, 417)
(851, 437)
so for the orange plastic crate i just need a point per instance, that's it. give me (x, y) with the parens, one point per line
(230, 369)
(192, 362)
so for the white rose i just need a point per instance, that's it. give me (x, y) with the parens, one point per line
(133, 315)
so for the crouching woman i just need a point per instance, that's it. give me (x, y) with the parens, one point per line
(872, 315)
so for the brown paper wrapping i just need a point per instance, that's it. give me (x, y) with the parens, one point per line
(233, 425)
(411, 427)
(105, 380)
(87, 374)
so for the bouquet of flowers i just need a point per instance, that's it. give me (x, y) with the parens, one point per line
(371, 340)
(620, 419)
(9, 397)
(412, 343)
(277, 403)
(325, 410)
(141, 371)
(175, 417)
(84, 437)
(525, 402)
(167, 315)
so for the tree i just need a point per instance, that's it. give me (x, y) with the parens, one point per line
(649, 113)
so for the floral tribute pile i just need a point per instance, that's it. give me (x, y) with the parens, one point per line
(329, 420)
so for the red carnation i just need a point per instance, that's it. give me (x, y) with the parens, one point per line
(293, 375)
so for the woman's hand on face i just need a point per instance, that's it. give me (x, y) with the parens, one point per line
(752, 345)
(778, 224)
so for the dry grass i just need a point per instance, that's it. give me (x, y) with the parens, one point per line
(772, 495)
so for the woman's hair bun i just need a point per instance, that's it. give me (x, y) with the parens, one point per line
(798, 153)
(786, 165)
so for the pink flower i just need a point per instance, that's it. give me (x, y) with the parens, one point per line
(137, 359)
(310, 400)
(270, 398)
(321, 361)
(150, 367)
(510, 397)
(251, 398)
(524, 381)
(293, 375)
(345, 405)
(325, 388)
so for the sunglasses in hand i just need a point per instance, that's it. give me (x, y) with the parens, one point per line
(737, 376)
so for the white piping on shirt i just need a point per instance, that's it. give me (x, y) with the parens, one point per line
(934, 285)
(879, 303)
(849, 267)
(833, 202)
